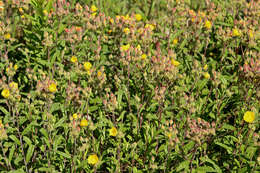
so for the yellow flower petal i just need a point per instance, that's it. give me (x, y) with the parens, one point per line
(5, 93)
(93, 8)
(87, 66)
(113, 131)
(144, 56)
(52, 87)
(84, 123)
(206, 75)
(138, 17)
(175, 63)
(73, 59)
(208, 24)
(235, 32)
(175, 41)
(13, 85)
(75, 116)
(249, 116)
(92, 159)
(125, 47)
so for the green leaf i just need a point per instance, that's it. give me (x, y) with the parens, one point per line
(4, 111)
(57, 142)
(60, 122)
(189, 146)
(229, 149)
(217, 168)
(66, 155)
(228, 127)
(27, 130)
(45, 169)
(55, 107)
(93, 108)
(18, 159)
(119, 98)
(11, 153)
(15, 139)
(183, 165)
(44, 133)
(205, 169)
(27, 140)
(29, 153)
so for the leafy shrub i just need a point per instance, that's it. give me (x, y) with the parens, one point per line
(169, 86)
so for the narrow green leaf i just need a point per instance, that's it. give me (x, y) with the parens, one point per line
(27, 140)
(11, 153)
(66, 155)
(44, 132)
(229, 149)
(205, 169)
(15, 139)
(60, 122)
(183, 165)
(4, 111)
(29, 153)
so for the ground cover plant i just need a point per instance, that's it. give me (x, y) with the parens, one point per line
(129, 86)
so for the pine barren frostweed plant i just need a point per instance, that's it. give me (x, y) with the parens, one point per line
(150, 82)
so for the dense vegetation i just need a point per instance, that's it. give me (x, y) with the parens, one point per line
(129, 86)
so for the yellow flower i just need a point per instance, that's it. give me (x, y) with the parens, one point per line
(87, 66)
(138, 47)
(13, 85)
(207, 24)
(7, 36)
(235, 32)
(84, 123)
(75, 116)
(52, 87)
(150, 26)
(111, 21)
(126, 30)
(169, 134)
(144, 56)
(5, 93)
(113, 131)
(249, 116)
(45, 12)
(140, 30)
(125, 47)
(175, 41)
(126, 17)
(94, 14)
(94, 8)
(20, 10)
(206, 75)
(138, 17)
(250, 33)
(92, 159)
(99, 73)
(205, 67)
(15, 66)
(175, 63)
(73, 59)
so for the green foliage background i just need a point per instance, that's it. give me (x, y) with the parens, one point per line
(169, 118)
